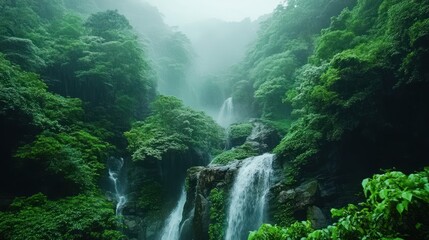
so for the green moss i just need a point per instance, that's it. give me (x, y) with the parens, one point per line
(217, 214)
(283, 215)
(281, 125)
(240, 130)
(244, 151)
(190, 180)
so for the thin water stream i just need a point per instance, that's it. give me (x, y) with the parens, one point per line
(115, 167)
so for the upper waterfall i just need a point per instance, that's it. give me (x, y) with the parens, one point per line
(226, 113)
(248, 196)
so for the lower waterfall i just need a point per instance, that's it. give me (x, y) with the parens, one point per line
(248, 196)
(171, 229)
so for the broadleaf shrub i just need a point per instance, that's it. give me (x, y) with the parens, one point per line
(396, 207)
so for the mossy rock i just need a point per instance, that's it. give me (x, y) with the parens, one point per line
(244, 151)
(281, 126)
(218, 199)
(238, 133)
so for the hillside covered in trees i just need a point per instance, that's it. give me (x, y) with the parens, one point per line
(108, 128)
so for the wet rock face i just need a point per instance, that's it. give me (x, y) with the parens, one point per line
(311, 198)
(254, 132)
(200, 182)
(306, 194)
(301, 196)
(135, 227)
(286, 204)
(317, 217)
(264, 136)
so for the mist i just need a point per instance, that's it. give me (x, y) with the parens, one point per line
(192, 46)
(181, 12)
(219, 32)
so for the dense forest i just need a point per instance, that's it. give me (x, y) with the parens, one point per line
(112, 123)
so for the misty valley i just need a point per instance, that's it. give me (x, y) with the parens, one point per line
(214, 120)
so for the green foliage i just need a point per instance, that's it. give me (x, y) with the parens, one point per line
(360, 64)
(172, 127)
(53, 144)
(23, 96)
(23, 10)
(76, 157)
(107, 69)
(269, 232)
(301, 143)
(150, 196)
(269, 96)
(282, 47)
(419, 32)
(99, 61)
(281, 125)
(22, 52)
(107, 24)
(173, 62)
(283, 216)
(299, 96)
(334, 42)
(395, 209)
(244, 151)
(276, 66)
(218, 206)
(78, 217)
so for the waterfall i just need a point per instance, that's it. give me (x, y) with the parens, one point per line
(171, 229)
(115, 167)
(226, 113)
(248, 196)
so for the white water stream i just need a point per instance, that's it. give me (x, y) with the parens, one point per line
(171, 229)
(115, 168)
(248, 196)
(225, 116)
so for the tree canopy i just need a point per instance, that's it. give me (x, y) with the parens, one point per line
(172, 127)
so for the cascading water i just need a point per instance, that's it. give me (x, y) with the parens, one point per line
(115, 167)
(171, 229)
(226, 113)
(248, 196)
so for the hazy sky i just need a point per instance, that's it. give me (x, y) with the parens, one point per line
(178, 12)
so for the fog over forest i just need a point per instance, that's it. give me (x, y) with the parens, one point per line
(212, 36)
(181, 12)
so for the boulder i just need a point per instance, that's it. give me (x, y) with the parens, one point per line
(316, 217)
(306, 194)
